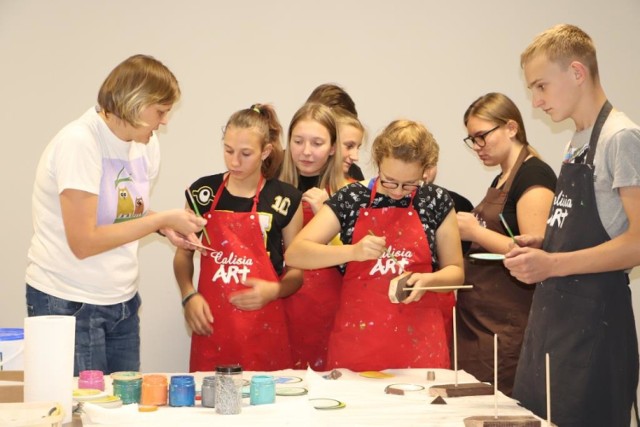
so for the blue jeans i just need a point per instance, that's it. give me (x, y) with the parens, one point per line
(107, 336)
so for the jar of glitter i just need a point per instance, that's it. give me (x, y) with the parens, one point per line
(154, 390)
(182, 391)
(91, 379)
(228, 389)
(208, 392)
(127, 386)
(262, 390)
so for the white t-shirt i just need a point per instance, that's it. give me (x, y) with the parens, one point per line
(85, 155)
(617, 164)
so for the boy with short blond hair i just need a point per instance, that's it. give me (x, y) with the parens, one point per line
(581, 313)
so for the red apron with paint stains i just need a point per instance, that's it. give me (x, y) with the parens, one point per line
(310, 313)
(372, 333)
(257, 339)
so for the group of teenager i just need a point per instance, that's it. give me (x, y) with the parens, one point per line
(297, 249)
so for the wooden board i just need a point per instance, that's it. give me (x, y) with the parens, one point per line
(468, 389)
(502, 421)
(397, 293)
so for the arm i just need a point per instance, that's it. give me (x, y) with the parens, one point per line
(197, 312)
(86, 238)
(531, 210)
(292, 280)
(309, 249)
(622, 252)
(451, 271)
(315, 197)
(261, 292)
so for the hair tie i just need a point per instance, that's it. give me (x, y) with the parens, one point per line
(255, 108)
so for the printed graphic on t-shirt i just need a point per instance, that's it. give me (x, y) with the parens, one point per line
(123, 190)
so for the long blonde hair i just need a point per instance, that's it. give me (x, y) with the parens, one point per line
(331, 176)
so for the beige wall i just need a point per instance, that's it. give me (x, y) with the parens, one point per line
(418, 59)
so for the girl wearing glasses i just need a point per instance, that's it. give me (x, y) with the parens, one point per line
(522, 193)
(314, 164)
(251, 217)
(388, 225)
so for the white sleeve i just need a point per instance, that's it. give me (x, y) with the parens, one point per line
(76, 161)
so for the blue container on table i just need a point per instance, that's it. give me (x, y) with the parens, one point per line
(182, 391)
(263, 390)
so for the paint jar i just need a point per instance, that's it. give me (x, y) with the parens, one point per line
(11, 349)
(263, 390)
(182, 391)
(208, 392)
(228, 389)
(127, 386)
(154, 390)
(91, 379)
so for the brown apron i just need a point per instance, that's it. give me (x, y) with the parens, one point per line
(497, 304)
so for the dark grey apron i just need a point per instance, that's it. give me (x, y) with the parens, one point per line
(497, 304)
(585, 322)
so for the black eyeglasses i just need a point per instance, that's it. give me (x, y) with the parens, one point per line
(391, 185)
(479, 140)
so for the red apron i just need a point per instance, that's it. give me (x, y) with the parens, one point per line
(256, 339)
(310, 313)
(372, 333)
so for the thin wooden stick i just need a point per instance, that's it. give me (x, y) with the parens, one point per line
(547, 377)
(197, 245)
(455, 347)
(438, 288)
(495, 375)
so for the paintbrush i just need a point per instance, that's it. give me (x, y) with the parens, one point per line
(506, 226)
(388, 250)
(195, 209)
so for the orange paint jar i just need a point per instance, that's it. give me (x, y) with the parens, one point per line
(154, 390)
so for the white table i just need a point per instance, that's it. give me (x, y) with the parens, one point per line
(367, 404)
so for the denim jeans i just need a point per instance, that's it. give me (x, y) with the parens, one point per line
(107, 336)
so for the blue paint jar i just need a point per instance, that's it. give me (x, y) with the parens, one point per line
(182, 391)
(263, 390)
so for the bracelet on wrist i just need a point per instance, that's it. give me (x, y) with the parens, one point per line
(190, 295)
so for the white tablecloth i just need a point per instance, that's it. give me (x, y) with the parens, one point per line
(367, 404)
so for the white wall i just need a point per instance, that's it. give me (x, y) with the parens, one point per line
(418, 59)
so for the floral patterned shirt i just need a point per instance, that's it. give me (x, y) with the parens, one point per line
(432, 203)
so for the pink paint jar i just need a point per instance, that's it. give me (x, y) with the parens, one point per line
(91, 379)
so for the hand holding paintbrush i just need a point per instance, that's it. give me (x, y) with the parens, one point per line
(506, 226)
(388, 250)
(195, 209)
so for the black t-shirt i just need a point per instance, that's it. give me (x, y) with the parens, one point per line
(277, 204)
(355, 172)
(533, 172)
(462, 204)
(432, 203)
(307, 182)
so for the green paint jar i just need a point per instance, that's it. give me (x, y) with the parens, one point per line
(127, 386)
